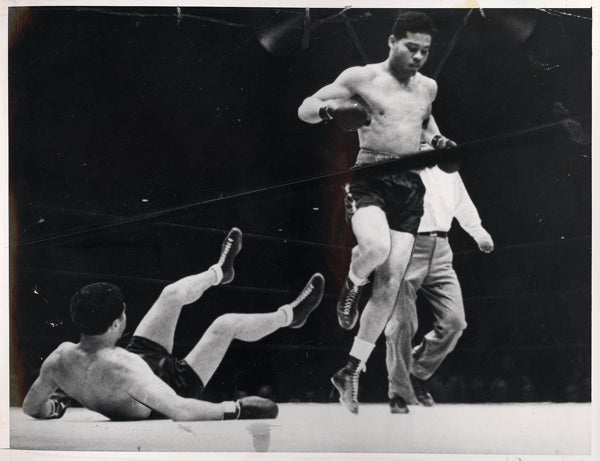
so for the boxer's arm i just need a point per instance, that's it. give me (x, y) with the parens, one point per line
(431, 136)
(431, 133)
(145, 387)
(430, 129)
(38, 403)
(148, 389)
(341, 89)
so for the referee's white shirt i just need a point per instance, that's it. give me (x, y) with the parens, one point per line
(446, 198)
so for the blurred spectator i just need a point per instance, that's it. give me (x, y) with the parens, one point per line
(479, 390)
(448, 389)
(500, 390)
(266, 391)
(508, 382)
(528, 393)
(571, 393)
(239, 393)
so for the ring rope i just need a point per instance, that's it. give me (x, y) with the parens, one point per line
(254, 236)
(468, 299)
(380, 348)
(452, 43)
(411, 160)
(521, 246)
(155, 281)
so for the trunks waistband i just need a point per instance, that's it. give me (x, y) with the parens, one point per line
(367, 156)
(440, 234)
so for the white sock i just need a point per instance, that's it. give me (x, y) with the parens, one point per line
(355, 279)
(289, 314)
(361, 349)
(231, 410)
(216, 268)
(229, 406)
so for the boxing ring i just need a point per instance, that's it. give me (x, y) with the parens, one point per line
(512, 429)
(529, 302)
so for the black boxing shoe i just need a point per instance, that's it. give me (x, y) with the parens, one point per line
(308, 300)
(229, 249)
(398, 405)
(346, 383)
(347, 305)
(421, 392)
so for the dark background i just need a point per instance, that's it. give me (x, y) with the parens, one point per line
(139, 136)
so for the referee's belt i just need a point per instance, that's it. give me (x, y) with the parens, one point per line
(440, 234)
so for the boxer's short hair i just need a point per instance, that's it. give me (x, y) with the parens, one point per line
(412, 21)
(96, 306)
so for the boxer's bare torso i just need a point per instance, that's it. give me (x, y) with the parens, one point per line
(397, 109)
(398, 98)
(98, 378)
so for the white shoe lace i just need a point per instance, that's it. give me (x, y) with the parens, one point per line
(302, 296)
(225, 251)
(355, 377)
(350, 299)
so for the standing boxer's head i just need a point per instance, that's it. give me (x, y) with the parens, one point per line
(98, 308)
(410, 43)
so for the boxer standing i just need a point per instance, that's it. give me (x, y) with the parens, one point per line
(384, 211)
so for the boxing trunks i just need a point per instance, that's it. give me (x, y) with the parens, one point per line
(399, 193)
(175, 372)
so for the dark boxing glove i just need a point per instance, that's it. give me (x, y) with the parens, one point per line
(251, 408)
(451, 164)
(349, 114)
(440, 142)
(57, 410)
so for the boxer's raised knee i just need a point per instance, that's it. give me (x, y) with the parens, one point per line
(375, 249)
(170, 294)
(226, 325)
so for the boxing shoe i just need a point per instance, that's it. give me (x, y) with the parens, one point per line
(398, 405)
(229, 249)
(347, 305)
(421, 392)
(252, 407)
(308, 300)
(346, 383)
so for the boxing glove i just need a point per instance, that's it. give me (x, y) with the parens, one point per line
(440, 142)
(450, 163)
(251, 408)
(349, 114)
(57, 410)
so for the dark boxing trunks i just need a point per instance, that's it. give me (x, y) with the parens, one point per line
(175, 372)
(398, 193)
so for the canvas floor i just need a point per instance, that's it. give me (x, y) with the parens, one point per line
(525, 429)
